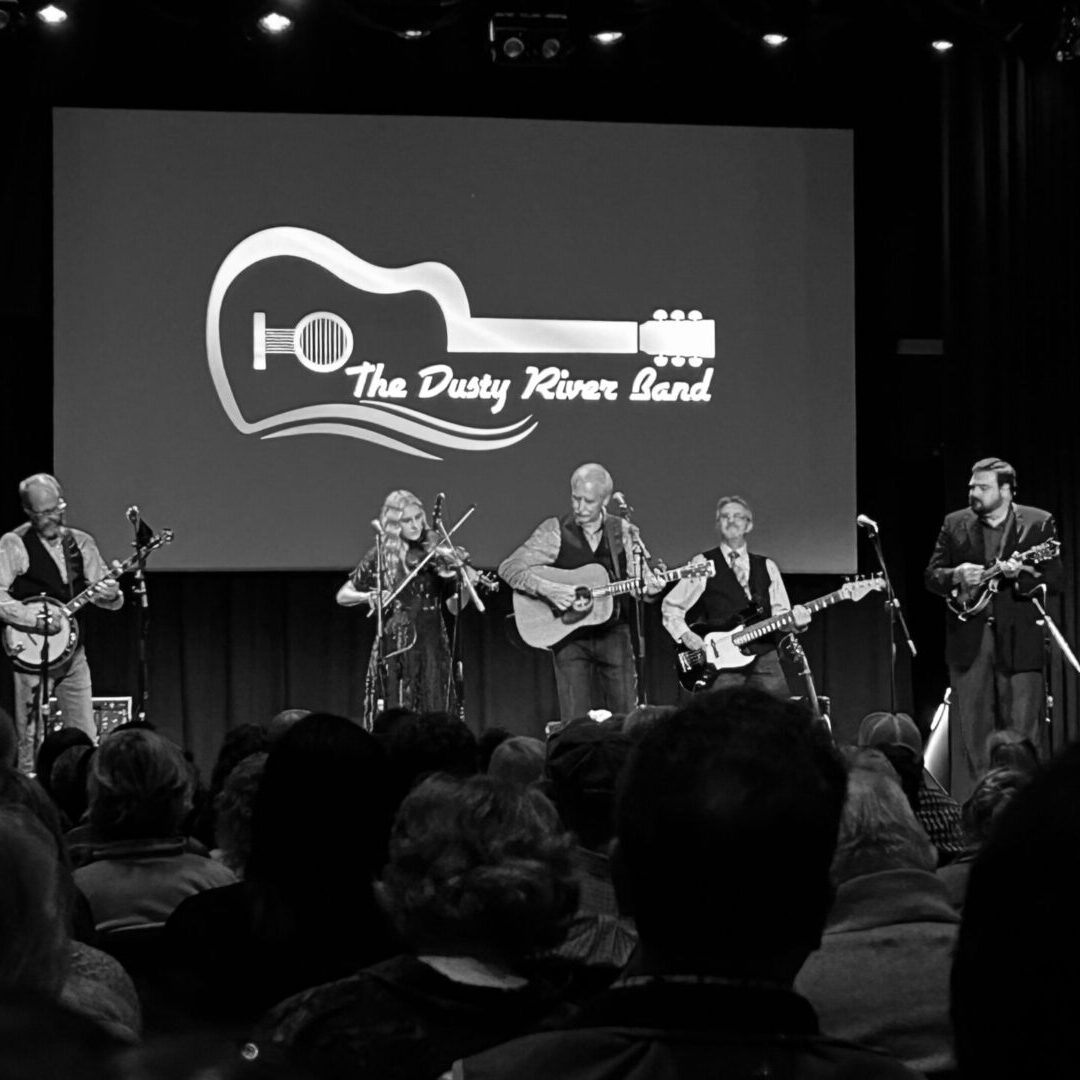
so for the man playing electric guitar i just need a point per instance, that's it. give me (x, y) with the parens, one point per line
(594, 667)
(995, 655)
(45, 556)
(742, 581)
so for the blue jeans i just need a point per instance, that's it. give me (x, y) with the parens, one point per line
(74, 695)
(595, 670)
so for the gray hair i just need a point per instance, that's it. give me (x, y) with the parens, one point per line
(591, 473)
(39, 479)
(726, 500)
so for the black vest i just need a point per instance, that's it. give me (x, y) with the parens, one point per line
(43, 576)
(574, 551)
(724, 598)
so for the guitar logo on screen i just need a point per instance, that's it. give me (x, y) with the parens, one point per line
(388, 408)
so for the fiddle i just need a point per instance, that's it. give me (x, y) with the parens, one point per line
(449, 559)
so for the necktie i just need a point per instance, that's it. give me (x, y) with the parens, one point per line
(738, 567)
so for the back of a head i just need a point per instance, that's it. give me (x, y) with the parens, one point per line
(140, 786)
(9, 741)
(322, 810)
(878, 829)
(642, 717)
(280, 722)
(52, 746)
(993, 792)
(897, 736)
(1020, 937)
(479, 867)
(433, 742)
(584, 763)
(1012, 750)
(70, 777)
(518, 760)
(33, 937)
(726, 825)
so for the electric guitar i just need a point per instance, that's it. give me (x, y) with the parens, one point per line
(967, 600)
(724, 650)
(27, 647)
(542, 626)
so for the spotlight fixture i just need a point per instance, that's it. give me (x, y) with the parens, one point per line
(412, 35)
(607, 37)
(530, 40)
(774, 41)
(52, 15)
(941, 45)
(273, 22)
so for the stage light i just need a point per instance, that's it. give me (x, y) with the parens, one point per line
(942, 45)
(774, 41)
(273, 22)
(52, 15)
(412, 35)
(1067, 43)
(607, 37)
(531, 40)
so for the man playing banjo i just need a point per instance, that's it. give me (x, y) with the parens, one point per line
(44, 556)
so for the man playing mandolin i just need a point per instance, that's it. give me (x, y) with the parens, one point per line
(744, 583)
(594, 666)
(45, 556)
(993, 647)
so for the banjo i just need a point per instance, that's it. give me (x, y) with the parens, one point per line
(27, 647)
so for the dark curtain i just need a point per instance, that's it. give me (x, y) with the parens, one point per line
(1012, 372)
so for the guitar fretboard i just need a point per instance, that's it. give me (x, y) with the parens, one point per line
(786, 619)
(617, 588)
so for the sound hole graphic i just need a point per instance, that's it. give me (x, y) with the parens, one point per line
(321, 341)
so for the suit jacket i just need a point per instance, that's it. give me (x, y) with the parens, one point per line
(1018, 641)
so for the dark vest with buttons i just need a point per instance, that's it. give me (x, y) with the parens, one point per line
(43, 575)
(724, 597)
(574, 551)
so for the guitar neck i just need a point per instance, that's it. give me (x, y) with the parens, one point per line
(91, 591)
(617, 588)
(785, 620)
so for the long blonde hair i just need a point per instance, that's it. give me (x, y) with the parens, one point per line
(394, 547)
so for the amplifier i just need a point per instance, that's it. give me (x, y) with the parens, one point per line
(109, 712)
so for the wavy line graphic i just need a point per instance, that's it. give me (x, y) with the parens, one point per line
(338, 418)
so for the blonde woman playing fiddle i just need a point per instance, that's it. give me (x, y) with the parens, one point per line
(416, 645)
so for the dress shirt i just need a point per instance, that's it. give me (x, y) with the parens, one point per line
(690, 590)
(14, 562)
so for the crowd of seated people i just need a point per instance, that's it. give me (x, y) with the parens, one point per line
(712, 890)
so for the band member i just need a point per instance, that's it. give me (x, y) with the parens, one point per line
(594, 667)
(743, 583)
(995, 657)
(416, 646)
(46, 556)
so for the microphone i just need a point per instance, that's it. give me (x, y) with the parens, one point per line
(436, 512)
(619, 499)
(867, 523)
(133, 515)
(376, 524)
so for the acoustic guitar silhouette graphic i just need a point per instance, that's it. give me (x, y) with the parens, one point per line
(323, 342)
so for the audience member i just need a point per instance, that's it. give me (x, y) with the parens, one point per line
(726, 826)
(490, 739)
(385, 721)
(479, 880)
(239, 743)
(640, 719)
(282, 721)
(9, 741)
(139, 868)
(1011, 749)
(1014, 975)
(994, 791)
(52, 746)
(37, 954)
(234, 808)
(898, 738)
(585, 760)
(419, 745)
(518, 760)
(305, 912)
(881, 976)
(70, 781)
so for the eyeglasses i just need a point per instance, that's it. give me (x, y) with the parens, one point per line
(49, 511)
(734, 517)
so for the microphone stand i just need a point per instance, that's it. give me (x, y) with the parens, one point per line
(377, 691)
(143, 532)
(457, 667)
(639, 554)
(41, 703)
(896, 616)
(1050, 630)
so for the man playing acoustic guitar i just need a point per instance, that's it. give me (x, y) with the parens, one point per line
(995, 651)
(594, 666)
(45, 556)
(742, 581)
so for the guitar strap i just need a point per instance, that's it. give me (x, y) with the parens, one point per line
(73, 562)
